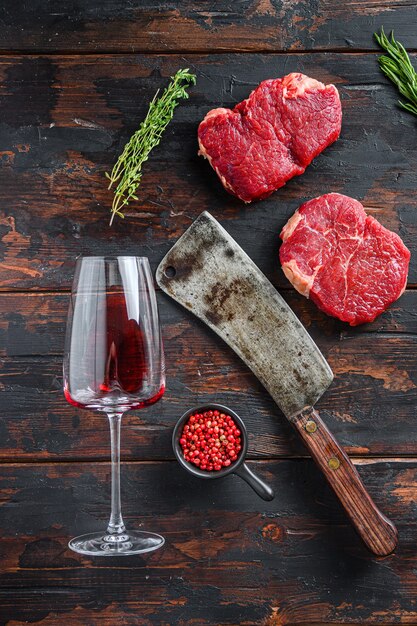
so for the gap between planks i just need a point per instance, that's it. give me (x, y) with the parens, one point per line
(67, 290)
(357, 460)
(182, 51)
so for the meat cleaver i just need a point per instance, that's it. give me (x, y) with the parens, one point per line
(210, 275)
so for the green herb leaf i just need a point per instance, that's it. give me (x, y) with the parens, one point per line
(127, 172)
(396, 65)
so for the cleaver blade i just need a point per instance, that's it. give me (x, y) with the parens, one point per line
(208, 273)
(217, 281)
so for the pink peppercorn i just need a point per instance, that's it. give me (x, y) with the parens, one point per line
(211, 440)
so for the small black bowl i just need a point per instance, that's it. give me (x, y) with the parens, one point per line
(238, 467)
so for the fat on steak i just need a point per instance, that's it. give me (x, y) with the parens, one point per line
(272, 136)
(345, 261)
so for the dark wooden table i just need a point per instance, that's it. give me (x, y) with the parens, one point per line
(76, 79)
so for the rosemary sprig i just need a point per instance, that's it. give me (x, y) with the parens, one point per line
(396, 65)
(127, 172)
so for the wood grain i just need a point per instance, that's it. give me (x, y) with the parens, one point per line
(186, 25)
(240, 560)
(377, 532)
(370, 407)
(65, 119)
(230, 558)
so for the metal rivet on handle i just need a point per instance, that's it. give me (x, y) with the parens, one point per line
(334, 463)
(311, 426)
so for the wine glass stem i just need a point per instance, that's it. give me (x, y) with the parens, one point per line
(116, 525)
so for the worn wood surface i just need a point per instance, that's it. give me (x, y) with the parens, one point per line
(75, 81)
(186, 25)
(370, 406)
(65, 118)
(237, 560)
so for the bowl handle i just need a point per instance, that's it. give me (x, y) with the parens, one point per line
(263, 490)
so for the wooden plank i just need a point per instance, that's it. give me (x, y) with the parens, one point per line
(33, 324)
(65, 119)
(118, 26)
(370, 406)
(230, 558)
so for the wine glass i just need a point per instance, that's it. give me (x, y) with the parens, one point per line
(114, 362)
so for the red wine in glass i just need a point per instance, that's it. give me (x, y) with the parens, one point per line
(114, 362)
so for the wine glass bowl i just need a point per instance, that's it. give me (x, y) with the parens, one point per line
(113, 363)
(113, 356)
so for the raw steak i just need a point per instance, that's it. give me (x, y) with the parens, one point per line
(272, 136)
(344, 260)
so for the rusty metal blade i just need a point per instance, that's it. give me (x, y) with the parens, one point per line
(208, 273)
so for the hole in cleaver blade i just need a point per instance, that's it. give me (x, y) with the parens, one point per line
(216, 280)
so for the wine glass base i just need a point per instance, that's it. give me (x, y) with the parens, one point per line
(103, 544)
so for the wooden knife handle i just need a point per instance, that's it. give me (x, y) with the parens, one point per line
(377, 531)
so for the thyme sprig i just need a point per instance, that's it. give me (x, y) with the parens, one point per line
(396, 65)
(127, 172)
